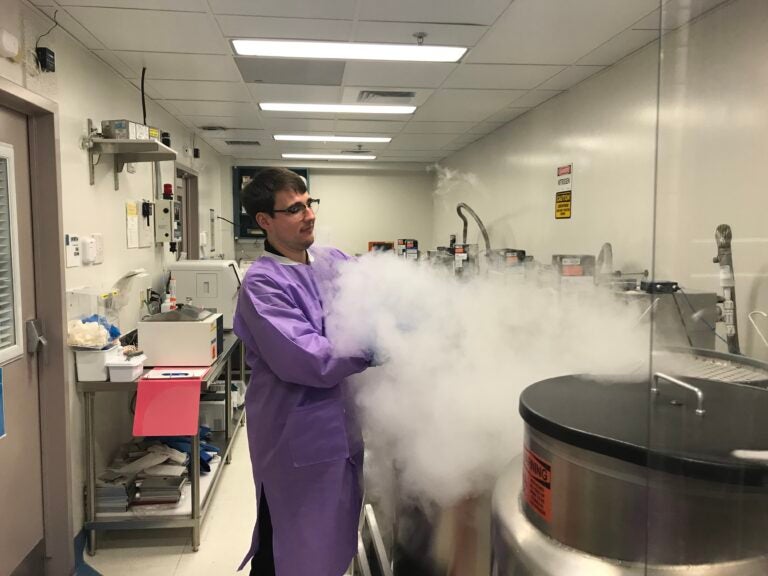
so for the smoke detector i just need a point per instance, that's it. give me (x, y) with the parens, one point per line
(385, 96)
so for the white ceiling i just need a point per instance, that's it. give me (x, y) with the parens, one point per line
(521, 54)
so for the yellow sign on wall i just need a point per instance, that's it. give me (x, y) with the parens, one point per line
(562, 205)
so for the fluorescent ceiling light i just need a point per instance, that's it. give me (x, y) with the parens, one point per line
(361, 139)
(348, 51)
(336, 108)
(329, 157)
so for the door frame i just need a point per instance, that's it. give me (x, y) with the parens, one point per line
(48, 247)
(191, 211)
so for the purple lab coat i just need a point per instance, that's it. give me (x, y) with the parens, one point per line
(305, 442)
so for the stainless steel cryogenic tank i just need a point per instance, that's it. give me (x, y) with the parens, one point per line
(627, 478)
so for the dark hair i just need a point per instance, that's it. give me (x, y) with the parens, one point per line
(259, 194)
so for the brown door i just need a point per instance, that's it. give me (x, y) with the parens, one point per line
(21, 493)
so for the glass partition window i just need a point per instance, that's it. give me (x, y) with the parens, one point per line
(10, 302)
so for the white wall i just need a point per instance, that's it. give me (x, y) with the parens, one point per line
(358, 207)
(712, 154)
(712, 149)
(84, 87)
(605, 127)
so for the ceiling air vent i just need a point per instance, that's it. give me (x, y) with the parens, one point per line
(213, 128)
(385, 96)
(243, 142)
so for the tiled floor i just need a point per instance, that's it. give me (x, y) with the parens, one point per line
(225, 536)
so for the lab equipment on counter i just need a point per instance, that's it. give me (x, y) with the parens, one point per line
(125, 369)
(209, 284)
(187, 336)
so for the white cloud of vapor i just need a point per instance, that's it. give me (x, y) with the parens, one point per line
(443, 406)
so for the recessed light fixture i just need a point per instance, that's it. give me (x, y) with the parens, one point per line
(328, 157)
(336, 108)
(354, 139)
(348, 50)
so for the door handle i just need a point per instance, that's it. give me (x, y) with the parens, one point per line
(35, 337)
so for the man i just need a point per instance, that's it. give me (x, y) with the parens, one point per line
(306, 447)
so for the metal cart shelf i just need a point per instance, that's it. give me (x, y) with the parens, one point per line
(198, 494)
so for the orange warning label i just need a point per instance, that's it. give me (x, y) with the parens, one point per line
(537, 484)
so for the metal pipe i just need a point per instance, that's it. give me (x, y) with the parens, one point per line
(378, 541)
(723, 236)
(90, 466)
(461, 206)
(755, 326)
(195, 464)
(699, 394)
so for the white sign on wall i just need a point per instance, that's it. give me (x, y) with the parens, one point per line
(564, 192)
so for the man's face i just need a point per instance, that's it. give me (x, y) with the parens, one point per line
(292, 231)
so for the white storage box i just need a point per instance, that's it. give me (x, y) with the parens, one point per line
(92, 364)
(122, 369)
(212, 414)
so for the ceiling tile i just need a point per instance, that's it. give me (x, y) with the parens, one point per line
(176, 5)
(676, 14)
(295, 93)
(500, 76)
(485, 127)
(251, 122)
(534, 98)
(416, 74)
(619, 46)
(208, 108)
(414, 156)
(153, 30)
(452, 11)
(290, 28)
(402, 32)
(112, 59)
(420, 141)
(351, 93)
(451, 104)
(330, 9)
(507, 115)
(149, 90)
(467, 139)
(570, 77)
(555, 32)
(414, 127)
(289, 71)
(385, 127)
(276, 125)
(238, 134)
(72, 26)
(181, 66)
(200, 90)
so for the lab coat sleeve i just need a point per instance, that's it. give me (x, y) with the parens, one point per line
(286, 340)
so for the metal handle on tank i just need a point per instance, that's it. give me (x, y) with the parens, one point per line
(699, 394)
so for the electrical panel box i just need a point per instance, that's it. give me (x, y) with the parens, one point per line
(167, 221)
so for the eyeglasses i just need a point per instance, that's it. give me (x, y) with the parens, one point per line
(301, 208)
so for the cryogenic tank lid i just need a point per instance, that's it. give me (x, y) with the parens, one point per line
(623, 420)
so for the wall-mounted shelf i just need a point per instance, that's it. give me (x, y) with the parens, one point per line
(123, 152)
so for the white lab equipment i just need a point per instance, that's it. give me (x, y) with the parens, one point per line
(209, 284)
